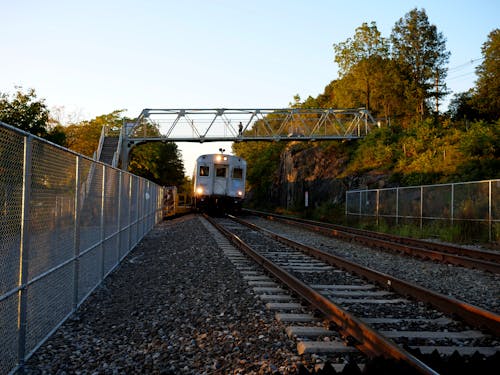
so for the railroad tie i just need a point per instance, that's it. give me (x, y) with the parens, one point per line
(462, 350)
(295, 318)
(434, 335)
(287, 306)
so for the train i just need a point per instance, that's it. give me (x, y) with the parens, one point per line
(219, 183)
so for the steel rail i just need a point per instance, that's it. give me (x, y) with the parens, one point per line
(483, 260)
(366, 339)
(472, 315)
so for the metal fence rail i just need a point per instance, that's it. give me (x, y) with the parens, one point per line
(66, 221)
(464, 203)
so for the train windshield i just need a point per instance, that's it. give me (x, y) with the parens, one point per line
(220, 172)
(204, 171)
(237, 173)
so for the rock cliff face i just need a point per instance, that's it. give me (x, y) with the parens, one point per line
(319, 172)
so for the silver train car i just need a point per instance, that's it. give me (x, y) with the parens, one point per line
(219, 182)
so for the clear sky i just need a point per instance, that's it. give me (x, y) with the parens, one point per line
(95, 56)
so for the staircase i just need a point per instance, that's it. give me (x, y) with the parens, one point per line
(109, 147)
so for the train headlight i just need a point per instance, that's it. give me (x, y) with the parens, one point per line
(218, 158)
(240, 193)
(199, 190)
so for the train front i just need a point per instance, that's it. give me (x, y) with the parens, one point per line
(219, 182)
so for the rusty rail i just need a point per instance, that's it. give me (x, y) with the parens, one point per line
(472, 315)
(367, 340)
(478, 259)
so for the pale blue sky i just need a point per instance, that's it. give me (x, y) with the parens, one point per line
(96, 56)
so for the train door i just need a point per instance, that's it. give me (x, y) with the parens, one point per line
(220, 179)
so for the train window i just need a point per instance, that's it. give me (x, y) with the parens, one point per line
(204, 171)
(238, 173)
(220, 172)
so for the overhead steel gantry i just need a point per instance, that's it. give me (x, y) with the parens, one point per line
(244, 125)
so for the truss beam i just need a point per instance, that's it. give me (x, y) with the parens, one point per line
(241, 125)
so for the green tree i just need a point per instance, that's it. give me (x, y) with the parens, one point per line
(420, 50)
(462, 109)
(25, 111)
(84, 137)
(359, 59)
(487, 93)
(159, 162)
(263, 160)
(57, 135)
(480, 146)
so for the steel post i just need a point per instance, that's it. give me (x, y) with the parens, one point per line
(24, 249)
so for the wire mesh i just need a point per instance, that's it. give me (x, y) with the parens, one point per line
(11, 189)
(436, 202)
(50, 301)
(9, 338)
(472, 207)
(51, 207)
(471, 201)
(89, 272)
(90, 206)
(80, 222)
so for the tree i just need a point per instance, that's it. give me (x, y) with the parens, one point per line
(25, 111)
(421, 51)
(487, 93)
(263, 160)
(57, 134)
(462, 109)
(159, 162)
(84, 136)
(360, 58)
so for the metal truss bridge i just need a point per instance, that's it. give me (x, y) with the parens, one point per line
(240, 125)
(243, 125)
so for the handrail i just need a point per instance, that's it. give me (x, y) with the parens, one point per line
(116, 155)
(101, 142)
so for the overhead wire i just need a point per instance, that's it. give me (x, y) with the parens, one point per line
(458, 68)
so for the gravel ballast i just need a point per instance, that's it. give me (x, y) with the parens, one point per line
(175, 305)
(476, 287)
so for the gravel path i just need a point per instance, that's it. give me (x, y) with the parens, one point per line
(174, 306)
(476, 287)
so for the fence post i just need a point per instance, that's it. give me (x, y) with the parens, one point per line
(377, 206)
(76, 233)
(346, 202)
(360, 203)
(452, 204)
(103, 198)
(397, 206)
(129, 216)
(490, 217)
(421, 207)
(119, 231)
(24, 249)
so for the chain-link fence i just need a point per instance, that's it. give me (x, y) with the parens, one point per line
(66, 222)
(469, 210)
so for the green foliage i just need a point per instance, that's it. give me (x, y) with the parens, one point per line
(391, 86)
(487, 98)
(376, 151)
(84, 137)
(25, 111)
(420, 50)
(480, 146)
(366, 44)
(158, 162)
(263, 160)
(429, 153)
(57, 135)
(364, 63)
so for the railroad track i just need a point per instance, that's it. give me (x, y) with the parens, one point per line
(471, 258)
(373, 316)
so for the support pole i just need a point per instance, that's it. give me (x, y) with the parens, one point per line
(76, 233)
(24, 249)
